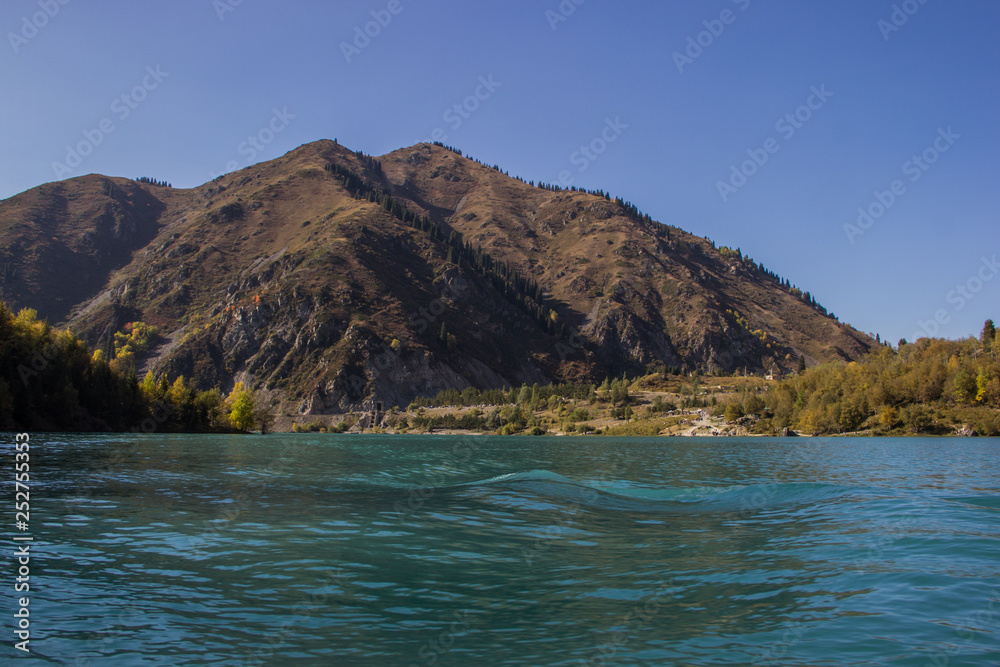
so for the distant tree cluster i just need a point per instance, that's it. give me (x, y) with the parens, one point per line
(805, 297)
(513, 408)
(369, 162)
(627, 207)
(932, 384)
(320, 426)
(596, 193)
(741, 322)
(448, 148)
(613, 390)
(190, 410)
(456, 151)
(472, 420)
(152, 181)
(521, 291)
(660, 230)
(729, 253)
(527, 395)
(137, 339)
(361, 188)
(50, 380)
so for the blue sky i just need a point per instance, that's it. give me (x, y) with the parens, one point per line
(695, 91)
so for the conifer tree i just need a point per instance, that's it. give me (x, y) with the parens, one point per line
(989, 333)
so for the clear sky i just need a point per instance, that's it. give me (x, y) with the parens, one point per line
(667, 98)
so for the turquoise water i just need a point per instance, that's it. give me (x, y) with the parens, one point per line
(442, 550)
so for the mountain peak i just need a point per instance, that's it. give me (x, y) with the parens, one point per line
(331, 277)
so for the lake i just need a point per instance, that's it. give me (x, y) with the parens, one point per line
(470, 550)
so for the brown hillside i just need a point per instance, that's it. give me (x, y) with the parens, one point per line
(303, 276)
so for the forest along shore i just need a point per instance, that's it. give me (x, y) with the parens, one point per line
(931, 387)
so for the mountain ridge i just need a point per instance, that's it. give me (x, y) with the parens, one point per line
(331, 278)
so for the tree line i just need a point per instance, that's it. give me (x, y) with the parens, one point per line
(928, 386)
(152, 181)
(527, 395)
(50, 380)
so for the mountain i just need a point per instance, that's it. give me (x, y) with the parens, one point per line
(329, 278)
